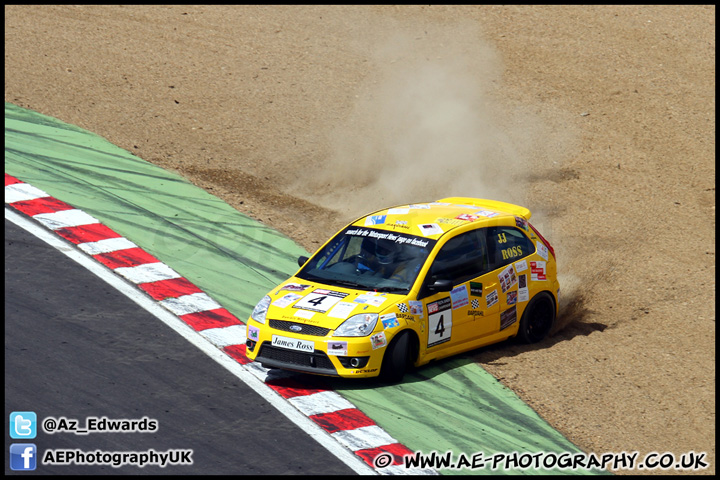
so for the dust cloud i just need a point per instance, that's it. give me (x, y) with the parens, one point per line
(429, 122)
(433, 119)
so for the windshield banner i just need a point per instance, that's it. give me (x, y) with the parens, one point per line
(394, 237)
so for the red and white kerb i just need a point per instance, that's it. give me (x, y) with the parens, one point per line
(332, 412)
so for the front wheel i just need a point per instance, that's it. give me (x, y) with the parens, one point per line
(538, 318)
(396, 360)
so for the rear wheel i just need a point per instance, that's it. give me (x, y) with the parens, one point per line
(397, 359)
(538, 318)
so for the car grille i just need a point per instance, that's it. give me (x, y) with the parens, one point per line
(306, 329)
(314, 360)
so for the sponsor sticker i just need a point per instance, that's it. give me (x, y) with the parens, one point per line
(491, 298)
(320, 300)
(342, 309)
(370, 299)
(378, 340)
(294, 287)
(375, 220)
(286, 300)
(293, 344)
(542, 250)
(467, 217)
(416, 307)
(450, 221)
(523, 292)
(459, 297)
(336, 348)
(439, 321)
(521, 222)
(399, 224)
(537, 271)
(367, 370)
(398, 211)
(508, 317)
(389, 321)
(507, 278)
(487, 213)
(428, 229)
(253, 333)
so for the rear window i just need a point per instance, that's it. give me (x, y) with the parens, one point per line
(506, 245)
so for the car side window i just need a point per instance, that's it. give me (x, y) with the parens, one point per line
(506, 245)
(461, 258)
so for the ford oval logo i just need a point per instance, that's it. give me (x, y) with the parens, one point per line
(295, 328)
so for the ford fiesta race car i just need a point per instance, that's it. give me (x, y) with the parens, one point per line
(406, 285)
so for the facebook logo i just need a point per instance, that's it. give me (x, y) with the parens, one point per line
(23, 456)
(23, 425)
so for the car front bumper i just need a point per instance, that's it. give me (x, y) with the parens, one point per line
(338, 357)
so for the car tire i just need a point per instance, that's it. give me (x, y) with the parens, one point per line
(537, 319)
(396, 360)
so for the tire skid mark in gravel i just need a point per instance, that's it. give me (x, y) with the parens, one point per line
(349, 426)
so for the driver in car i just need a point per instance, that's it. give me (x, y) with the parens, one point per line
(382, 257)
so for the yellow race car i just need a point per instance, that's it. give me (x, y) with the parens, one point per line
(409, 284)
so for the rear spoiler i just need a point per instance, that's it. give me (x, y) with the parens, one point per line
(495, 205)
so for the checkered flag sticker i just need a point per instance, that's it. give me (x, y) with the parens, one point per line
(475, 303)
(403, 308)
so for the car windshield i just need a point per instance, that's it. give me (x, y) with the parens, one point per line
(369, 259)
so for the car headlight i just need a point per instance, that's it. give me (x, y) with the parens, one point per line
(260, 310)
(360, 325)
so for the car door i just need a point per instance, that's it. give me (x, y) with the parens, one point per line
(468, 311)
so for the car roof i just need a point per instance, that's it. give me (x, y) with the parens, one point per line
(433, 219)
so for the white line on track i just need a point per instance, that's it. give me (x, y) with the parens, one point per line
(129, 290)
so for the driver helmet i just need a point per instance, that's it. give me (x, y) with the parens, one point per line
(386, 251)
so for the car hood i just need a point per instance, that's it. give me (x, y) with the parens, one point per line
(325, 306)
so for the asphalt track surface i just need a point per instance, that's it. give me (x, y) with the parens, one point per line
(78, 348)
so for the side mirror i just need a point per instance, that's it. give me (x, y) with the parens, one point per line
(441, 286)
(302, 260)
